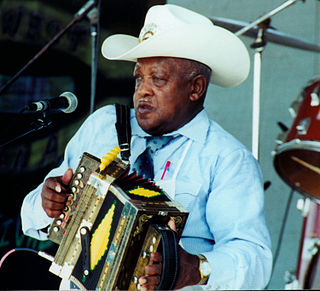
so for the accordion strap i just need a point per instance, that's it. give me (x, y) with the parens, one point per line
(170, 257)
(123, 128)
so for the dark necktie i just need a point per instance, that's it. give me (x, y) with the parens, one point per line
(144, 163)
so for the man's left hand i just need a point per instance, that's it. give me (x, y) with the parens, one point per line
(188, 269)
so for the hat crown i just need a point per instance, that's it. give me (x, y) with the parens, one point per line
(162, 18)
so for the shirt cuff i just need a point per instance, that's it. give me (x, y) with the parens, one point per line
(34, 218)
(219, 279)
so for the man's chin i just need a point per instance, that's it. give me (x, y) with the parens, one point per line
(148, 126)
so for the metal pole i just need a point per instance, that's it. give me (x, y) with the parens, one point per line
(266, 16)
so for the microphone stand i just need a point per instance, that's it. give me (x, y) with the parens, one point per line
(41, 122)
(37, 125)
(263, 23)
(94, 16)
(77, 17)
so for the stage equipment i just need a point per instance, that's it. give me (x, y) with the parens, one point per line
(84, 11)
(307, 275)
(297, 154)
(259, 29)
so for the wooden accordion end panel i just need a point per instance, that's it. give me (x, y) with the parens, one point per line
(111, 226)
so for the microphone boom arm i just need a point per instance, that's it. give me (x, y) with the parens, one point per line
(77, 17)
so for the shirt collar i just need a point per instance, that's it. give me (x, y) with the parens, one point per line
(196, 129)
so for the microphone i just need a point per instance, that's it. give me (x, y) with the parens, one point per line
(67, 102)
(86, 8)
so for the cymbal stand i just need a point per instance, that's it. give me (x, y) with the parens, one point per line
(259, 44)
(266, 16)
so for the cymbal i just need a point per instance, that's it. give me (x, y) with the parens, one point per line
(271, 34)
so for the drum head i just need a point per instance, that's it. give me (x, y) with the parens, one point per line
(298, 164)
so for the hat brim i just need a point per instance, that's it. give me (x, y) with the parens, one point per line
(214, 46)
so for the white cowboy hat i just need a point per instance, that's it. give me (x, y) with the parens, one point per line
(173, 31)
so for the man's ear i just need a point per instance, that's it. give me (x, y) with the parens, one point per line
(199, 86)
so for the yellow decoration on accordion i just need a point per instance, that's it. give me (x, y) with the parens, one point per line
(101, 237)
(139, 191)
(109, 157)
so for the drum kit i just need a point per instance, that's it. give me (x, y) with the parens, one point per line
(297, 152)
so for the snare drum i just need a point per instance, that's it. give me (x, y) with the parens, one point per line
(297, 155)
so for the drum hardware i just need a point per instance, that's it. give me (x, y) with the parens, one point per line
(293, 109)
(281, 136)
(290, 279)
(308, 268)
(303, 204)
(259, 29)
(263, 32)
(311, 248)
(303, 126)
(271, 34)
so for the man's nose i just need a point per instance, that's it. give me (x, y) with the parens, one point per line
(144, 88)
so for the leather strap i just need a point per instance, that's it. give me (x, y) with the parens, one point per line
(170, 257)
(123, 128)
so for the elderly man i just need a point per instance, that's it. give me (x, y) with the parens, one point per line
(225, 243)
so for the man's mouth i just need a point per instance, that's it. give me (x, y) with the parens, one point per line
(144, 106)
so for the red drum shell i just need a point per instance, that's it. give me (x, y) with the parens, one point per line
(297, 159)
(308, 271)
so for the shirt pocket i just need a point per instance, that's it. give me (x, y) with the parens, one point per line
(187, 192)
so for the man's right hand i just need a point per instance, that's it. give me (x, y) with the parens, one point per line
(54, 195)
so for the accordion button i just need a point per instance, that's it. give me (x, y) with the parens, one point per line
(135, 279)
(58, 222)
(76, 182)
(74, 189)
(82, 169)
(56, 229)
(79, 176)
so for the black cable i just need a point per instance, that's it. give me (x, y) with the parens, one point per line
(284, 222)
(40, 253)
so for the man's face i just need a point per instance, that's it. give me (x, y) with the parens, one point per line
(162, 95)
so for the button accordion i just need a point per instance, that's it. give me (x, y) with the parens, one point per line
(112, 223)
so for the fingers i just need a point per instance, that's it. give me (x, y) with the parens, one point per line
(66, 178)
(156, 257)
(54, 190)
(152, 273)
(54, 194)
(154, 269)
(149, 282)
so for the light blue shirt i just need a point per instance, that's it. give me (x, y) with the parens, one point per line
(219, 183)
